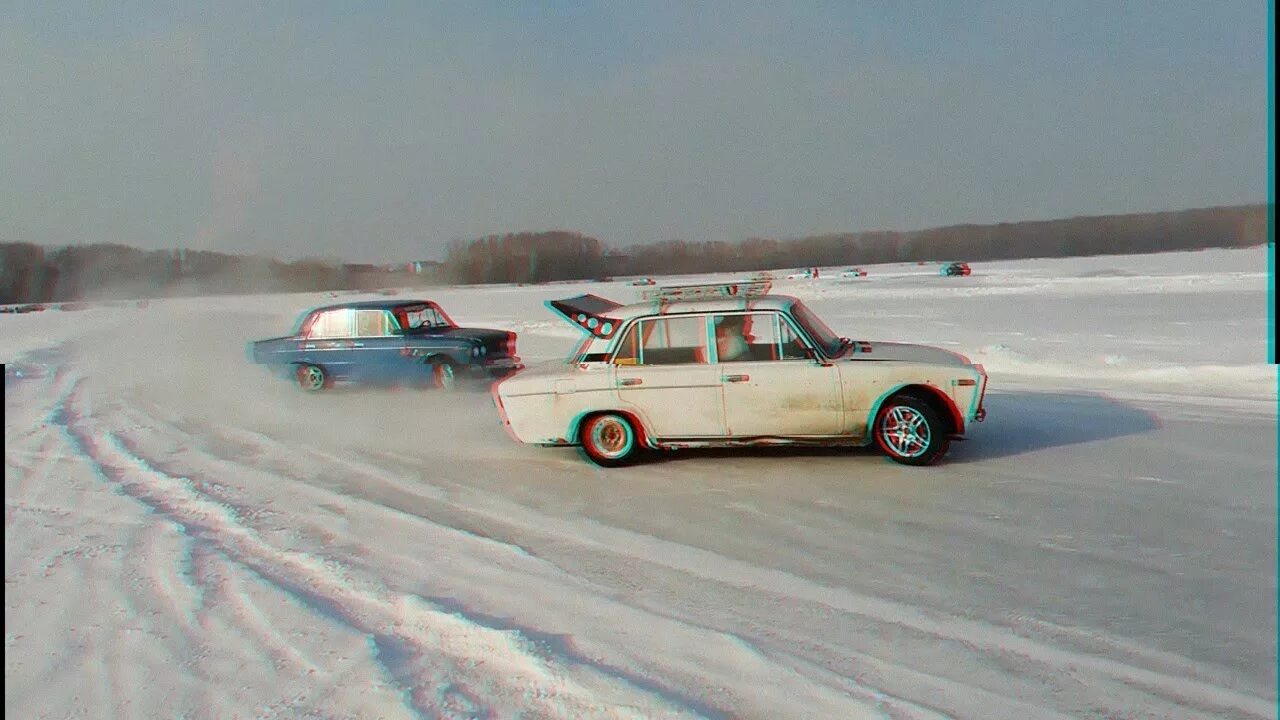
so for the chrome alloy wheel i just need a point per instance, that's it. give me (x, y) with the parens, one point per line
(905, 432)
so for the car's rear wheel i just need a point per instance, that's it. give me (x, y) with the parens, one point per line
(312, 378)
(609, 440)
(909, 431)
(443, 376)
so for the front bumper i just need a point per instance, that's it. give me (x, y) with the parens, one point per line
(497, 367)
(981, 413)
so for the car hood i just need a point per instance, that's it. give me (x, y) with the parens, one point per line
(862, 351)
(458, 332)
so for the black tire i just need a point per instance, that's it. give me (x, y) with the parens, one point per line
(312, 378)
(909, 431)
(609, 440)
(443, 376)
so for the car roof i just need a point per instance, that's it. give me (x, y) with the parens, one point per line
(677, 307)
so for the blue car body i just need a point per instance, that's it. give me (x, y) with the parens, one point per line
(386, 342)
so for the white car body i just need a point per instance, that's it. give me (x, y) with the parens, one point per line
(804, 385)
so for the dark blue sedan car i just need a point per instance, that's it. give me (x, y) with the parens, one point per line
(404, 342)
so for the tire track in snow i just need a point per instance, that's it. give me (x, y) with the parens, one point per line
(1173, 682)
(394, 623)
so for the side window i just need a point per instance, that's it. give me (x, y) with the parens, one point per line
(790, 345)
(664, 341)
(756, 337)
(373, 323)
(424, 316)
(333, 324)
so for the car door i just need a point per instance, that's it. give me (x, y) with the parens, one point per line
(330, 342)
(774, 387)
(379, 348)
(661, 372)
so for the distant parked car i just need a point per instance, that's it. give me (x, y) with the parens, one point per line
(731, 365)
(386, 342)
(955, 268)
(854, 273)
(19, 309)
(804, 274)
(640, 282)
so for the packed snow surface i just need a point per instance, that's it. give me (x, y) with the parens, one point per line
(188, 536)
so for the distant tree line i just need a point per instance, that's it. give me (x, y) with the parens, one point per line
(537, 257)
(34, 274)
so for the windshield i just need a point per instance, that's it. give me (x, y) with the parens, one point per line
(424, 316)
(832, 345)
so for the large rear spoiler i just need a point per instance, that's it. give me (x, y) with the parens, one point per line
(590, 313)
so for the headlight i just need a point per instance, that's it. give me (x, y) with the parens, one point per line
(475, 352)
(484, 350)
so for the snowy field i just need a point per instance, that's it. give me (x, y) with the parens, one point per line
(187, 536)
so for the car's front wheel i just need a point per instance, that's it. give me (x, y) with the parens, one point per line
(909, 431)
(311, 378)
(609, 440)
(442, 375)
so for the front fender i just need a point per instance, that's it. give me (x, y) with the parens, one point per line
(933, 393)
(458, 355)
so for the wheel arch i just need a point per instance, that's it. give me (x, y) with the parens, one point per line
(937, 399)
(432, 356)
(575, 425)
(296, 365)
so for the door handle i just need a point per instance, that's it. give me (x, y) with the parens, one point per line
(735, 378)
(357, 344)
(631, 381)
(308, 347)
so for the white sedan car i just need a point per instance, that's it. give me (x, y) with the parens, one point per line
(731, 365)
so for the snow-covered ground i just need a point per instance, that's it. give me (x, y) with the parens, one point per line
(189, 537)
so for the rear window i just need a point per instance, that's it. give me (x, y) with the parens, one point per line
(334, 324)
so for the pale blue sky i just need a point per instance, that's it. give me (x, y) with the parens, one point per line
(382, 131)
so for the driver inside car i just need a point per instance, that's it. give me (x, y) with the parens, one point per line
(732, 338)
